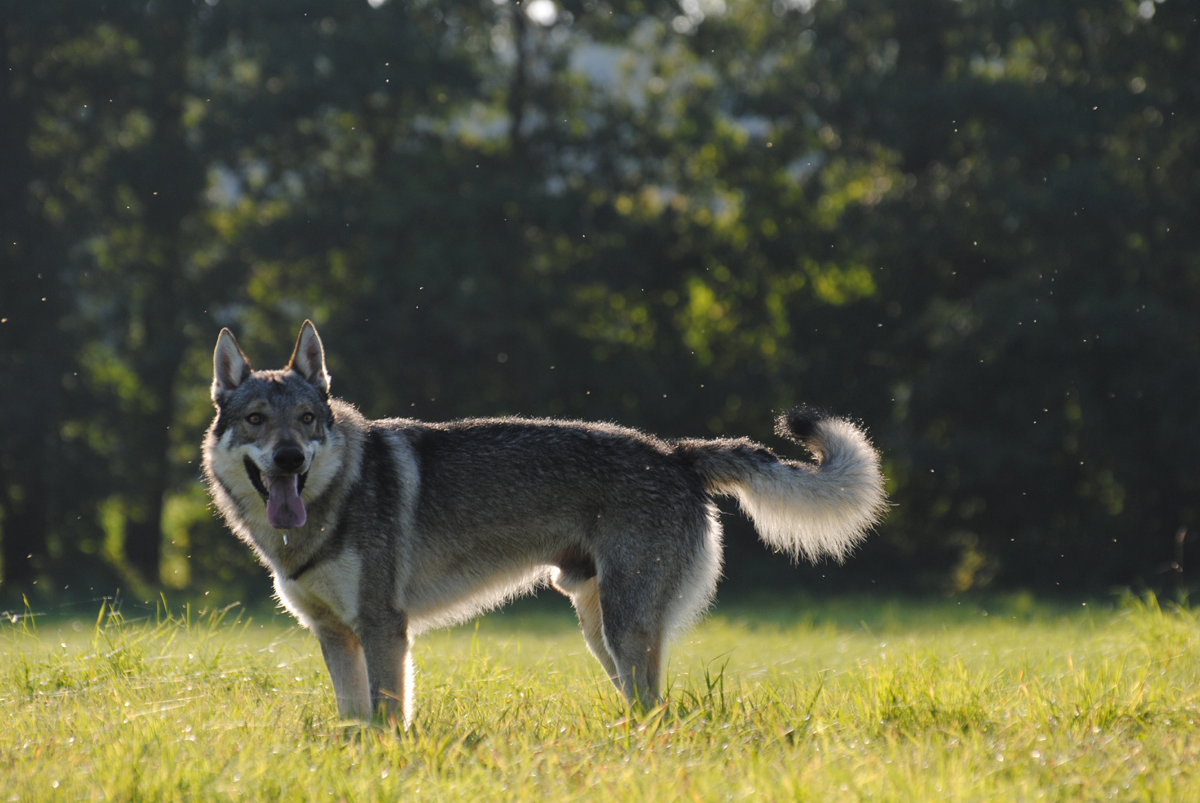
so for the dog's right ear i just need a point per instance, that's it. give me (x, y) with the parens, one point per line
(308, 358)
(230, 366)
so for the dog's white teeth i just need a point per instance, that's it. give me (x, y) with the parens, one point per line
(285, 539)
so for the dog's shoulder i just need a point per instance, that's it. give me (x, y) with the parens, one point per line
(346, 415)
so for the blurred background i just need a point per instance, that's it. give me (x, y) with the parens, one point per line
(972, 226)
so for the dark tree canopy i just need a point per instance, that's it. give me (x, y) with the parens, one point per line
(971, 225)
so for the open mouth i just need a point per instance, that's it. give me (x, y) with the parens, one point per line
(281, 492)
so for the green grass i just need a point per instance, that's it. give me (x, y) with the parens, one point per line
(780, 701)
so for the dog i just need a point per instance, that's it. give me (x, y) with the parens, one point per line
(375, 531)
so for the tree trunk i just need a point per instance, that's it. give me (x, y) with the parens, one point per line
(176, 177)
(24, 527)
(518, 89)
(27, 332)
(143, 526)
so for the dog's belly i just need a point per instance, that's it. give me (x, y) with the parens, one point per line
(457, 596)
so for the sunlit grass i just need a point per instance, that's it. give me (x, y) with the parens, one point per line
(781, 701)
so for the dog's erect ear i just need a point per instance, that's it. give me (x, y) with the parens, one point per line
(308, 359)
(230, 366)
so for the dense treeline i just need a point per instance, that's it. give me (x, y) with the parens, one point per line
(971, 225)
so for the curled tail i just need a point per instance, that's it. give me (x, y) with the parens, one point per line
(809, 509)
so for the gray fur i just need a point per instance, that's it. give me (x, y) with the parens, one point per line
(410, 525)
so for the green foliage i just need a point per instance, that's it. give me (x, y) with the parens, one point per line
(968, 224)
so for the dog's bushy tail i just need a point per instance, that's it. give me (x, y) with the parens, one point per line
(807, 509)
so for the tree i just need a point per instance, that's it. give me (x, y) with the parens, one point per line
(34, 301)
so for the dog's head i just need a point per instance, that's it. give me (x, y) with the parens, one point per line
(276, 421)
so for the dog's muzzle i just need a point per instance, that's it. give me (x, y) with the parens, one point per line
(289, 459)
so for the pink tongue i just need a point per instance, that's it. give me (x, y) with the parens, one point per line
(285, 508)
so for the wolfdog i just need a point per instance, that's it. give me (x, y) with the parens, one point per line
(375, 531)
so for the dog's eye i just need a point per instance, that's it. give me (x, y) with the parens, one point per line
(308, 418)
(254, 418)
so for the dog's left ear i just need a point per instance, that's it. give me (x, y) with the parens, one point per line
(308, 359)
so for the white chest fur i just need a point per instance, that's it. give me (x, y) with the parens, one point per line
(328, 590)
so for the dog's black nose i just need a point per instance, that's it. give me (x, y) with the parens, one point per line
(289, 458)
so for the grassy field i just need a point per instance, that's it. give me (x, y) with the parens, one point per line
(828, 701)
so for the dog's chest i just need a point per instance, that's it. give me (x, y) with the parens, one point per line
(328, 591)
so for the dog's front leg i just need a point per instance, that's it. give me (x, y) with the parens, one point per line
(347, 669)
(389, 665)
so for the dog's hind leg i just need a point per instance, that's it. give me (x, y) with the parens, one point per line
(574, 574)
(586, 599)
(644, 598)
(389, 665)
(347, 666)
(634, 631)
